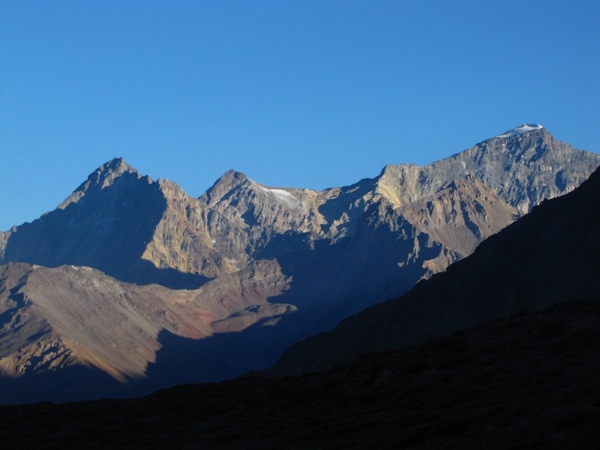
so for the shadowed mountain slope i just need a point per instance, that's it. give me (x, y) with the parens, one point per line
(525, 382)
(549, 256)
(69, 333)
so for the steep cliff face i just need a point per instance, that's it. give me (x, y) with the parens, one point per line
(180, 240)
(549, 256)
(461, 215)
(393, 248)
(103, 224)
(144, 231)
(245, 218)
(523, 166)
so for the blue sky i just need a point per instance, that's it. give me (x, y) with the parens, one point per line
(294, 93)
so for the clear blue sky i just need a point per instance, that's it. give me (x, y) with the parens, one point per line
(294, 93)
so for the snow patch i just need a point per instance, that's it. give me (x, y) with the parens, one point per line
(525, 128)
(282, 197)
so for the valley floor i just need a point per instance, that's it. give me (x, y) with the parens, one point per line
(526, 382)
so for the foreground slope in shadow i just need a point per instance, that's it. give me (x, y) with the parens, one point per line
(525, 382)
(549, 256)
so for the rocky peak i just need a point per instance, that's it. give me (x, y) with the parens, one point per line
(524, 166)
(227, 182)
(327, 253)
(104, 175)
(173, 192)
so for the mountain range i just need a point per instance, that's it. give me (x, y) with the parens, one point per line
(551, 255)
(131, 285)
(498, 351)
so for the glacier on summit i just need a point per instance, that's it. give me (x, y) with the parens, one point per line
(525, 128)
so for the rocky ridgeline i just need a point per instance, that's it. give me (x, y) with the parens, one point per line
(549, 256)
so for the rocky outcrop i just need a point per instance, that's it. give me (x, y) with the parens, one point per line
(54, 319)
(104, 224)
(523, 166)
(549, 256)
(180, 240)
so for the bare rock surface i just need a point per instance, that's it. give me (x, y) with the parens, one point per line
(56, 318)
(523, 166)
(551, 255)
(144, 231)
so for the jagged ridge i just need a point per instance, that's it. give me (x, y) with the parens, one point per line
(549, 256)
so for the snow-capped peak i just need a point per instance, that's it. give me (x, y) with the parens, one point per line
(525, 128)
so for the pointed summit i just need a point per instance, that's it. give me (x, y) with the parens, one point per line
(101, 178)
(243, 248)
(117, 164)
(104, 175)
(228, 181)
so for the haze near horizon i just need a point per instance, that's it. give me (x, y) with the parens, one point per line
(294, 94)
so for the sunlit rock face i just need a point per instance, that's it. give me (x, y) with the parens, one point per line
(549, 256)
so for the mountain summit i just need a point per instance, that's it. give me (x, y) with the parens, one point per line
(525, 128)
(103, 177)
(196, 289)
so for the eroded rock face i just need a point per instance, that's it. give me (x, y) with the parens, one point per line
(103, 224)
(523, 169)
(54, 319)
(138, 281)
(549, 256)
(126, 225)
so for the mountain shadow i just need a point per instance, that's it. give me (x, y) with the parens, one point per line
(525, 382)
(331, 282)
(220, 356)
(66, 385)
(549, 256)
(107, 228)
(347, 274)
